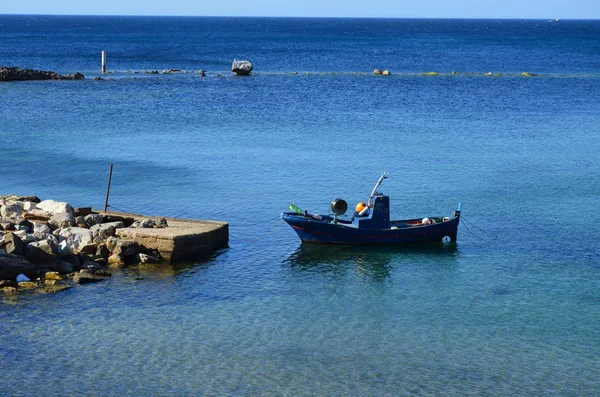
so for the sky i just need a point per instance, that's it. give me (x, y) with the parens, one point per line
(535, 9)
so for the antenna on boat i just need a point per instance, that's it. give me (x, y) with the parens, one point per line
(381, 178)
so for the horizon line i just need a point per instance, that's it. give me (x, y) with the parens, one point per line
(296, 17)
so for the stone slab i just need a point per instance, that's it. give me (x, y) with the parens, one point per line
(183, 239)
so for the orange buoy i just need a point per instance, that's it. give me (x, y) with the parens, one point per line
(360, 206)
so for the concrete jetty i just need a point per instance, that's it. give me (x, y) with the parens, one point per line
(184, 239)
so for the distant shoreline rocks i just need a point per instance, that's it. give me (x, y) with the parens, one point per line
(239, 67)
(48, 246)
(14, 73)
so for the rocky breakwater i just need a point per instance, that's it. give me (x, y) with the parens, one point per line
(17, 74)
(49, 246)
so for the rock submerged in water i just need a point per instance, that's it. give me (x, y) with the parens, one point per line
(87, 277)
(17, 74)
(241, 68)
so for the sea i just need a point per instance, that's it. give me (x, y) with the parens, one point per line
(511, 309)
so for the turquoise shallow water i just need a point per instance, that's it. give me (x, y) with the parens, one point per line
(512, 309)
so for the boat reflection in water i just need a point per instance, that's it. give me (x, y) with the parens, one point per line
(376, 262)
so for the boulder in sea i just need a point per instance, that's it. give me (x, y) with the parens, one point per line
(24, 224)
(38, 215)
(127, 248)
(102, 251)
(143, 223)
(43, 252)
(62, 220)
(13, 244)
(54, 207)
(8, 290)
(8, 283)
(77, 237)
(28, 285)
(80, 222)
(241, 68)
(62, 215)
(376, 72)
(65, 267)
(83, 277)
(90, 267)
(93, 219)
(116, 260)
(102, 231)
(13, 265)
(11, 211)
(64, 249)
(116, 224)
(111, 244)
(386, 73)
(12, 197)
(52, 276)
(89, 249)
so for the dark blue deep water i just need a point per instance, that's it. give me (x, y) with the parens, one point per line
(512, 309)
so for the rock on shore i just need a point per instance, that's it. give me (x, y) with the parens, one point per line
(17, 74)
(41, 238)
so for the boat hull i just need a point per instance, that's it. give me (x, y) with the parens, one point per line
(325, 232)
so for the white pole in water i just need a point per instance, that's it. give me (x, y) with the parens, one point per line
(103, 61)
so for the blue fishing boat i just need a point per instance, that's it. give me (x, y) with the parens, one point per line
(370, 224)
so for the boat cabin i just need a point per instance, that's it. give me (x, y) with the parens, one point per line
(378, 216)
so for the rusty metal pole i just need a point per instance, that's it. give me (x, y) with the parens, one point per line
(108, 188)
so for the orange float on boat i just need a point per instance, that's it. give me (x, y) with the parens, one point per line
(360, 206)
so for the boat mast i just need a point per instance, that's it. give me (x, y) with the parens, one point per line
(381, 178)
